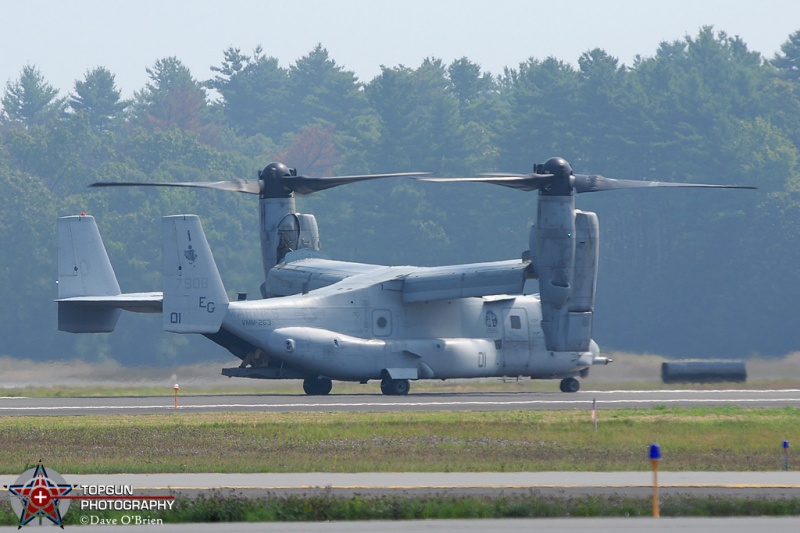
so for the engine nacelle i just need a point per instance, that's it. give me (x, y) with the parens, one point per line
(283, 231)
(297, 232)
(587, 254)
(553, 242)
(564, 247)
(309, 233)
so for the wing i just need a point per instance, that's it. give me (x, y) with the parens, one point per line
(304, 275)
(417, 284)
(464, 281)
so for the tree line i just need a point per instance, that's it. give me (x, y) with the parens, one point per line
(683, 273)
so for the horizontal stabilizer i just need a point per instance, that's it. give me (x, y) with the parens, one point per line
(136, 302)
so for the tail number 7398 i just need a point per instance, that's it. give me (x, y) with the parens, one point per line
(192, 283)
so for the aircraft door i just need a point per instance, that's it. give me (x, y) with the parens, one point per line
(516, 341)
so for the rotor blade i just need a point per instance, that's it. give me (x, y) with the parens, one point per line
(246, 186)
(307, 185)
(509, 175)
(523, 182)
(595, 183)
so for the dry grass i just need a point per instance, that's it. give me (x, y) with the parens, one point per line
(726, 438)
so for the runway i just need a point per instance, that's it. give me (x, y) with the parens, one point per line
(481, 401)
(400, 481)
(561, 484)
(771, 485)
(542, 525)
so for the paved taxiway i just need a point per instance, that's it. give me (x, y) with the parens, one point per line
(438, 481)
(482, 401)
(772, 485)
(510, 525)
(558, 525)
(633, 484)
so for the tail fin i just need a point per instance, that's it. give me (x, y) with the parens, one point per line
(194, 296)
(84, 270)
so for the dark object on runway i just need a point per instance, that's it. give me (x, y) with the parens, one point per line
(703, 371)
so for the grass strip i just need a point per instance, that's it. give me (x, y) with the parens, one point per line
(219, 507)
(692, 439)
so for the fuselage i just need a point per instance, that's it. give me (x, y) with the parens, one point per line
(356, 329)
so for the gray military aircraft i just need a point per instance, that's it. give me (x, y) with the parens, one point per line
(324, 320)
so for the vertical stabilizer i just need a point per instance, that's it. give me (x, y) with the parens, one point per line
(194, 296)
(84, 270)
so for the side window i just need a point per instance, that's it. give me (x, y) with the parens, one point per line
(516, 323)
(381, 322)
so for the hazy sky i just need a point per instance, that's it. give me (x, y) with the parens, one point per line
(66, 38)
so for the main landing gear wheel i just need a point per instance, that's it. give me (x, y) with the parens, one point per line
(317, 386)
(395, 387)
(570, 385)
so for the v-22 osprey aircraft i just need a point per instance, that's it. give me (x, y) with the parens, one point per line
(323, 320)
